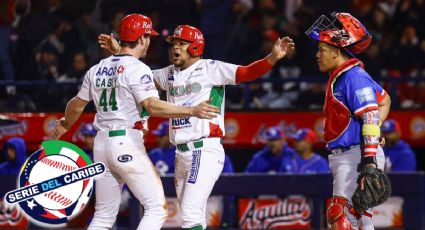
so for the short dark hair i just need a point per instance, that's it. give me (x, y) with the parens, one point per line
(129, 44)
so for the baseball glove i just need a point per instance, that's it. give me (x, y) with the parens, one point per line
(377, 189)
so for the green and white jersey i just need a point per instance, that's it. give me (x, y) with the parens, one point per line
(203, 80)
(117, 85)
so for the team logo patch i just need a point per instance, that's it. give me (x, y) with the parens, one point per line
(55, 183)
(145, 79)
(125, 158)
(365, 94)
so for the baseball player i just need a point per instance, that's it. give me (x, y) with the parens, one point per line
(355, 105)
(191, 79)
(120, 86)
(269, 159)
(305, 161)
(399, 156)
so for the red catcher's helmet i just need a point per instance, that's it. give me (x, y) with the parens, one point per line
(135, 25)
(192, 35)
(342, 30)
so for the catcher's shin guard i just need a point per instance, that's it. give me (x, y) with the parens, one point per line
(335, 214)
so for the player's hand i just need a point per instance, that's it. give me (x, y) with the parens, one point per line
(361, 181)
(281, 47)
(205, 111)
(109, 43)
(59, 129)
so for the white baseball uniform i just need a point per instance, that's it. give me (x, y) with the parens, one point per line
(199, 154)
(117, 86)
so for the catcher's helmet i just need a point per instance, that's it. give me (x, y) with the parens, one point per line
(342, 30)
(192, 35)
(135, 25)
(88, 130)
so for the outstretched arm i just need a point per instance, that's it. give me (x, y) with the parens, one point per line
(259, 68)
(158, 108)
(73, 110)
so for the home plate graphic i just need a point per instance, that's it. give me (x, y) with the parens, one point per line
(55, 183)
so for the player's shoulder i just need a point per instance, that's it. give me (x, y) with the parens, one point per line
(165, 70)
(262, 153)
(357, 74)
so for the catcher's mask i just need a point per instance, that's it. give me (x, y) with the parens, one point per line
(341, 30)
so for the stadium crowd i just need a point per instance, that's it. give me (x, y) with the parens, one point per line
(47, 42)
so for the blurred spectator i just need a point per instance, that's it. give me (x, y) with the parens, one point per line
(77, 69)
(163, 156)
(89, 133)
(305, 161)
(312, 97)
(47, 61)
(398, 154)
(14, 155)
(269, 159)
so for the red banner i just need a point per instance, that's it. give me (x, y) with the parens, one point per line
(11, 216)
(293, 212)
(243, 129)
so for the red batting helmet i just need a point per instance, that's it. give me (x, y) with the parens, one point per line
(342, 30)
(192, 35)
(135, 25)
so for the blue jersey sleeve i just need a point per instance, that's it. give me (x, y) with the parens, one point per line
(323, 166)
(257, 163)
(405, 162)
(361, 92)
(228, 167)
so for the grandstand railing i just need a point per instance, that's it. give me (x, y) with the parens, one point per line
(391, 84)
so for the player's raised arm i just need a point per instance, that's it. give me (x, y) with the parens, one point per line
(158, 108)
(281, 47)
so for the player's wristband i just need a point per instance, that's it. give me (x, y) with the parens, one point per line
(365, 161)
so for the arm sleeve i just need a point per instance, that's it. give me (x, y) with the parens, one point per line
(370, 132)
(223, 73)
(142, 85)
(362, 93)
(252, 71)
(84, 92)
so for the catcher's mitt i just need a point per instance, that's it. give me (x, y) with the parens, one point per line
(377, 189)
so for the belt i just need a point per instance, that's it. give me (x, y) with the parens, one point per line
(184, 147)
(116, 133)
(343, 149)
(196, 144)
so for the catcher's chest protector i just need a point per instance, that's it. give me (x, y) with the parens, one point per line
(337, 114)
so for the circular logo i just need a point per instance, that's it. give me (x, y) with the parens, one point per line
(232, 127)
(417, 127)
(55, 183)
(125, 158)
